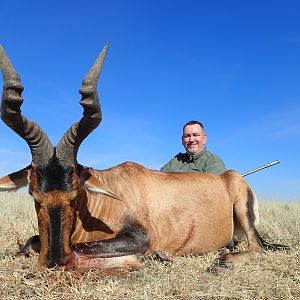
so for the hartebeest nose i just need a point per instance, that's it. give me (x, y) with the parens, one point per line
(56, 262)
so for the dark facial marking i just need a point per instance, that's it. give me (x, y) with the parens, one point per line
(56, 254)
(54, 176)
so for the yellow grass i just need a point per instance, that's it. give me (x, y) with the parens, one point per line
(274, 276)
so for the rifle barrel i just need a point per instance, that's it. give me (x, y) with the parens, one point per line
(275, 162)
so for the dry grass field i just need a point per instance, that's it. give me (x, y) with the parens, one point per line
(275, 276)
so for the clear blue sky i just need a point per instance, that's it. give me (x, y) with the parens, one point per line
(234, 65)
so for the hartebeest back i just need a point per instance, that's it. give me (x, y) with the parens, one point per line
(89, 218)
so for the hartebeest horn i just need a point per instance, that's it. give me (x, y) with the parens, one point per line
(38, 142)
(69, 144)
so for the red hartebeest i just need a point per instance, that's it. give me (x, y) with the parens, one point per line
(91, 218)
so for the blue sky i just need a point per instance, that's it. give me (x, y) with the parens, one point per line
(234, 65)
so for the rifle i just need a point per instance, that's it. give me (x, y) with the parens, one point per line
(275, 162)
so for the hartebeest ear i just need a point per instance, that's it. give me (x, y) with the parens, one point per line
(15, 180)
(92, 184)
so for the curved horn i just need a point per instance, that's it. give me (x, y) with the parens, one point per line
(38, 142)
(69, 144)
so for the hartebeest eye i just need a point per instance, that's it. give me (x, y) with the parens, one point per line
(54, 198)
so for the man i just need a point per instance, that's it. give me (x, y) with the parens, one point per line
(197, 158)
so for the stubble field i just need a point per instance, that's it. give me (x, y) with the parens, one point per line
(274, 276)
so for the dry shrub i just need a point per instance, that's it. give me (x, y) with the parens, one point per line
(276, 275)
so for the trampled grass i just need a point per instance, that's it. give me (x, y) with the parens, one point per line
(274, 276)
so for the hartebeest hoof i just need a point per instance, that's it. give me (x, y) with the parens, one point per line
(231, 260)
(31, 247)
(157, 255)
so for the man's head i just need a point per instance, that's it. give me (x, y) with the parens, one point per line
(193, 137)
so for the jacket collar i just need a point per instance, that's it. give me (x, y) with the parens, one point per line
(196, 156)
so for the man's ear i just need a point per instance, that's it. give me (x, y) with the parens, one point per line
(15, 180)
(92, 184)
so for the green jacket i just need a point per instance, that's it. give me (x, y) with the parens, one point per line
(205, 162)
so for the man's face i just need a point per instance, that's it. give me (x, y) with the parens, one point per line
(193, 139)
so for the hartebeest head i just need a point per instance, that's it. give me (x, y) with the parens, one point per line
(54, 177)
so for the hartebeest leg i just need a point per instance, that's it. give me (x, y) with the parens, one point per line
(32, 245)
(132, 239)
(123, 251)
(243, 208)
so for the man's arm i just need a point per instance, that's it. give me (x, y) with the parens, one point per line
(174, 164)
(167, 167)
(214, 165)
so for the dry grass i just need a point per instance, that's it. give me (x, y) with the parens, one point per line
(274, 276)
